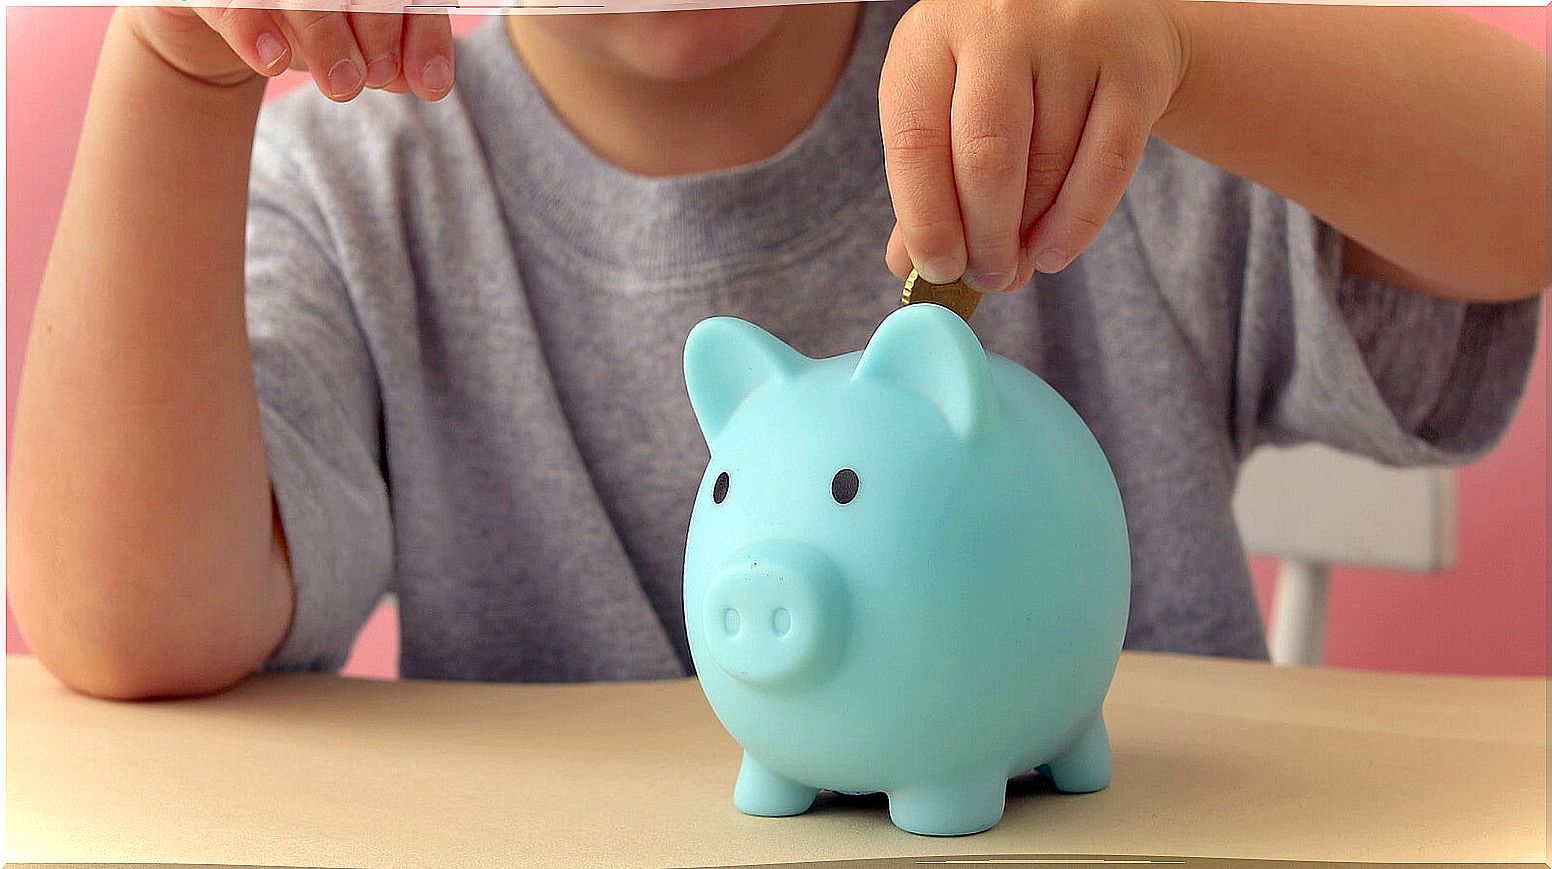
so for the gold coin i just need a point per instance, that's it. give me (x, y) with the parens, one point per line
(953, 295)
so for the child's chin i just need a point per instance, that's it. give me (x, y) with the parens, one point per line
(683, 46)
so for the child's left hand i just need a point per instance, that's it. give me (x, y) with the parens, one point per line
(1011, 129)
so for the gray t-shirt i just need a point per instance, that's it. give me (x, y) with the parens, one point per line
(467, 334)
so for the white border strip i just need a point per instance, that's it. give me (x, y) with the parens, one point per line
(487, 7)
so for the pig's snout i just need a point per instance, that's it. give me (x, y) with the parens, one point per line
(775, 615)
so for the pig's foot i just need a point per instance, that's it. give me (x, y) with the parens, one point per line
(958, 809)
(762, 792)
(1086, 766)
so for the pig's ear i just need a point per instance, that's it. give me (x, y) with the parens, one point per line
(725, 360)
(930, 351)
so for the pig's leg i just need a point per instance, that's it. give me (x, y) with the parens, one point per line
(762, 792)
(969, 805)
(1086, 766)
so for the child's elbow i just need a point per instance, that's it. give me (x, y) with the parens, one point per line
(1531, 279)
(1521, 290)
(137, 672)
(1498, 292)
(129, 680)
(131, 653)
(1539, 282)
(1534, 275)
(1524, 277)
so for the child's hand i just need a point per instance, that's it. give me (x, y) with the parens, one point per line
(346, 51)
(1012, 128)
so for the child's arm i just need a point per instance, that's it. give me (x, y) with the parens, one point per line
(145, 554)
(142, 557)
(1419, 134)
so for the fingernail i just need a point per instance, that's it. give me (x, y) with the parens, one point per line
(938, 272)
(344, 78)
(270, 48)
(438, 75)
(1051, 260)
(988, 282)
(381, 71)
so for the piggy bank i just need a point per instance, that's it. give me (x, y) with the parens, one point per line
(907, 571)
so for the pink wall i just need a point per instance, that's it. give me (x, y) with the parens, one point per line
(1488, 615)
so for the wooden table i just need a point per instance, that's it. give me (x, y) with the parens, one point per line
(1213, 758)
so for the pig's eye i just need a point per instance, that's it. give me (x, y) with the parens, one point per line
(719, 488)
(843, 487)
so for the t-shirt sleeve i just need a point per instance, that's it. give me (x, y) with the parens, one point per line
(1310, 354)
(319, 404)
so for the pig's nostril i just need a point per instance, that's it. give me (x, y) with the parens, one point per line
(781, 621)
(731, 622)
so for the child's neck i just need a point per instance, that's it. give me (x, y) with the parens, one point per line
(742, 114)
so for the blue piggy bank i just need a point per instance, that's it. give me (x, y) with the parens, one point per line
(907, 571)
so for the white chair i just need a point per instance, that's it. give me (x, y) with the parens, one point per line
(1314, 507)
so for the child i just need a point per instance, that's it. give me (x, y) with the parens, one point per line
(444, 359)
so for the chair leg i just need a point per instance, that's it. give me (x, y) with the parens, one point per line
(1299, 614)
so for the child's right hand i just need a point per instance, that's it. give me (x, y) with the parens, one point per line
(345, 51)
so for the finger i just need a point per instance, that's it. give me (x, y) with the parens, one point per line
(325, 42)
(895, 254)
(916, 92)
(428, 54)
(1062, 102)
(992, 115)
(1026, 270)
(380, 36)
(252, 34)
(1112, 144)
(400, 84)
